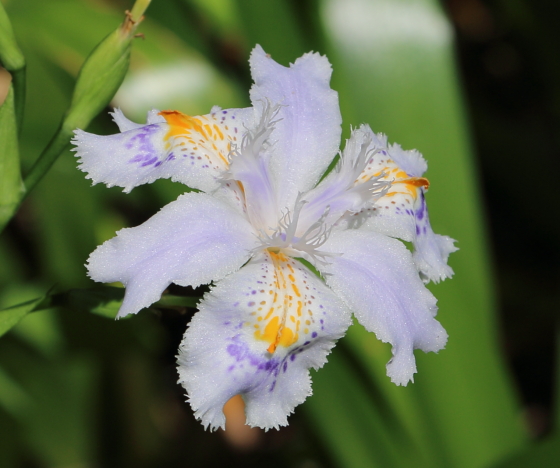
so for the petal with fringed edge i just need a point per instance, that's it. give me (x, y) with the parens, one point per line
(191, 241)
(307, 133)
(402, 212)
(192, 150)
(258, 332)
(376, 277)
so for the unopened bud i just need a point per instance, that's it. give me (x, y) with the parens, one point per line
(11, 57)
(103, 71)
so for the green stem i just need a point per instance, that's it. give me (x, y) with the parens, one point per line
(48, 157)
(138, 9)
(45, 161)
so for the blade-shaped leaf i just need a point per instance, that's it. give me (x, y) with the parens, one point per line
(10, 317)
(394, 69)
(104, 301)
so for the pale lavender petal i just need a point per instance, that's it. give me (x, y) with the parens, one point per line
(431, 251)
(122, 122)
(250, 168)
(234, 345)
(405, 215)
(191, 241)
(340, 192)
(410, 161)
(377, 278)
(402, 212)
(192, 150)
(307, 135)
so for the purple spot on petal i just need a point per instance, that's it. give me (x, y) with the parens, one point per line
(285, 367)
(314, 335)
(293, 357)
(151, 161)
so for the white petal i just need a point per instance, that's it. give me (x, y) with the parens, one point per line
(122, 122)
(191, 150)
(377, 278)
(307, 135)
(431, 252)
(340, 191)
(250, 168)
(410, 161)
(191, 241)
(257, 333)
(402, 211)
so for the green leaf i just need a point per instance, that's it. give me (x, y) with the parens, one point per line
(107, 300)
(281, 38)
(11, 316)
(545, 453)
(11, 185)
(100, 301)
(103, 300)
(394, 69)
(357, 423)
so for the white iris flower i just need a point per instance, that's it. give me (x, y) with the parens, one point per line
(261, 209)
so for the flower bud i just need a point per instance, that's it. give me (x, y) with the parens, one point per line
(10, 55)
(11, 185)
(103, 71)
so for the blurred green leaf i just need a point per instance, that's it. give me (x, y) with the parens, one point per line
(282, 37)
(357, 423)
(11, 316)
(393, 64)
(545, 453)
(11, 185)
(104, 301)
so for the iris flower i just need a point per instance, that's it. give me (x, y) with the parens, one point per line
(292, 254)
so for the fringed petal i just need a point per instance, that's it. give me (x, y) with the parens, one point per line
(376, 277)
(192, 150)
(402, 212)
(191, 241)
(257, 334)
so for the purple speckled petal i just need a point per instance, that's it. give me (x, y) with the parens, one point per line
(224, 353)
(376, 277)
(191, 150)
(191, 241)
(402, 212)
